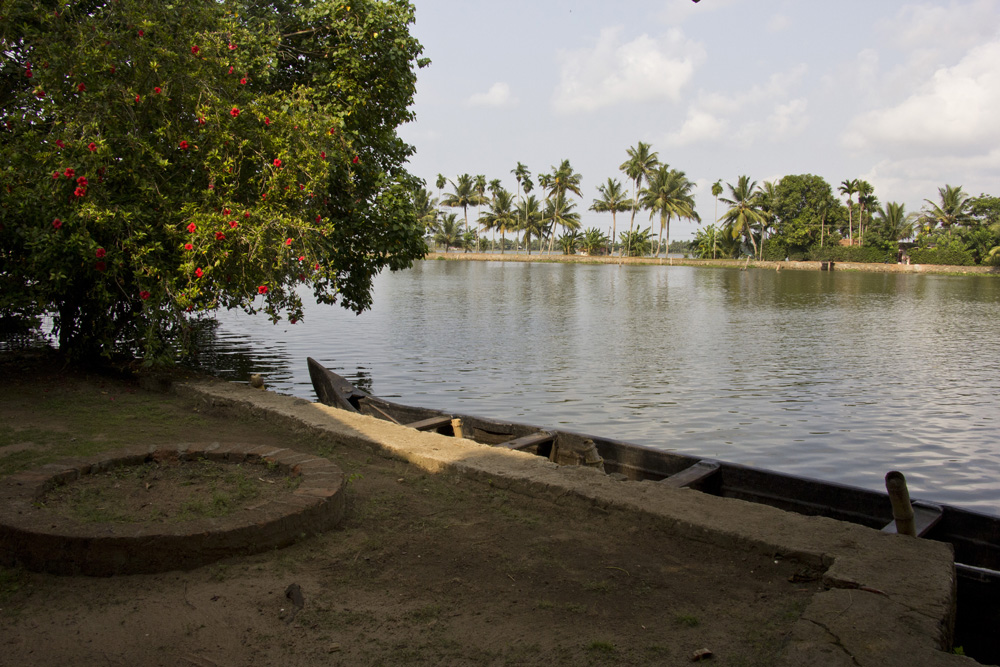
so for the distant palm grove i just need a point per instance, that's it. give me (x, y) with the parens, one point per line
(798, 217)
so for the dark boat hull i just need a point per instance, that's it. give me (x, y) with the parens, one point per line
(974, 536)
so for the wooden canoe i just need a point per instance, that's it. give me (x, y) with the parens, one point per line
(974, 536)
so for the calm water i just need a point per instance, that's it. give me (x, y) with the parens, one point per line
(841, 376)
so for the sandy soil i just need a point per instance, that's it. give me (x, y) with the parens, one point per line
(425, 569)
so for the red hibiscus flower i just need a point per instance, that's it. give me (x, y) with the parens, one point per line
(288, 242)
(219, 236)
(246, 214)
(232, 47)
(141, 33)
(80, 87)
(188, 246)
(355, 160)
(101, 252)
(82, 181)
(138, 98)
(79, 192)
(183, 145)
(156, 90)
(319, 218)
(230, 69)
(277, 162)
(28, 74)
(55, 175)
(243, 81)
(322, 155)
(201, 121)
(195, 49)
(92, 147)
(267, 121)
(57, 223)
(262, 289)
(100, 266)
(302, 258)
(333, 130)
(198, 272)
(192, 227)
(235, 112)
(302, 277)
(226, 211)
(143, 295)
(70, 172)
(60, 144)
(39, 93)
(292, 321)
(232, 224)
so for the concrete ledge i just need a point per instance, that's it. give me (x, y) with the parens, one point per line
(889, 599)
(30, 538)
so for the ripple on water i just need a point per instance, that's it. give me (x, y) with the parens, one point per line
(836, 376)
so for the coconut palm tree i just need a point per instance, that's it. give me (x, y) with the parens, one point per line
(895, 223)
(563, 180)
(641, 162)
(559, 211)
(849, 187)
(613, 200)
(867, 201)
(716, 191)
(426, 208)
(448, 231)
(480, 186)
(668, 193)
(953, 209)
(744, 209)
(501, 215)
(463, 197)
(531, 220)
(768, 198)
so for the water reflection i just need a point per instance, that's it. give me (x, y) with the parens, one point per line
(836, 375)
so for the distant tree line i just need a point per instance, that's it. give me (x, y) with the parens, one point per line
(795, 217)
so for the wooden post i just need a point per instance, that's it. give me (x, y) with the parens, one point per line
(899, 496)
(456, 427)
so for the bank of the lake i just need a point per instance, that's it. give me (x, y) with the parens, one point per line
(720, 263)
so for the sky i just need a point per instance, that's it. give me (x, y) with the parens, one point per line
(905, 95)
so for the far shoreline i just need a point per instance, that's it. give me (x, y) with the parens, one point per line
(719, 263)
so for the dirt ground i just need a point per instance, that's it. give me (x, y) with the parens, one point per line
(425, 569)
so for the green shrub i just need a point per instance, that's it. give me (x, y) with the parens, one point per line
(945, 256)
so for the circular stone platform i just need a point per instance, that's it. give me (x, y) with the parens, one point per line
(31, 537)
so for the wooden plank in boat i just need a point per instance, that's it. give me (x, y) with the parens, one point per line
(925, 517)
(431, 423)
(526, 441)
(696, 474)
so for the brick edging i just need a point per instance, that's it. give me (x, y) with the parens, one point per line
(28, 536)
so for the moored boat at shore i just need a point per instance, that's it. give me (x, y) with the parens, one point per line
(974, 536)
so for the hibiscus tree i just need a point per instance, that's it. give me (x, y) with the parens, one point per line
(141, 126)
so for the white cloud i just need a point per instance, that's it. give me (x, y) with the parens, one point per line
(953, 112)
(699, 126)
(497, 96)
(788, 120)
(735, 118)
(779, 23)
(617, 72)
